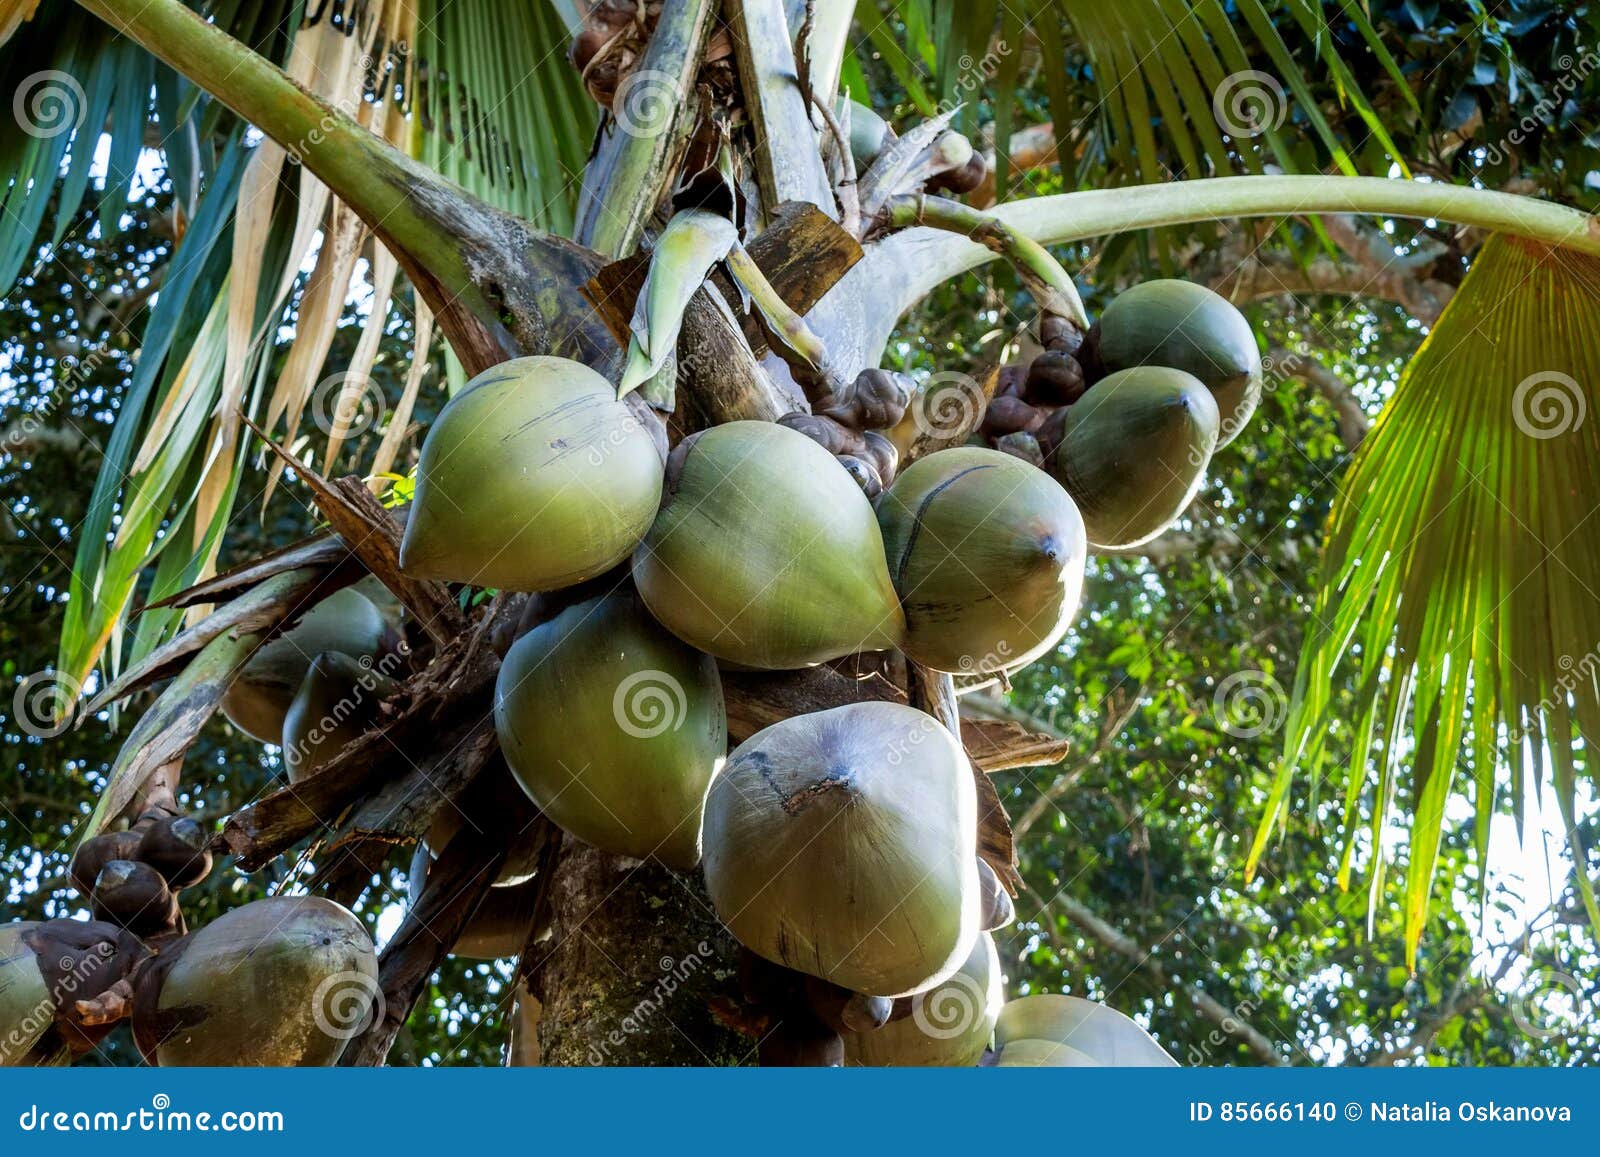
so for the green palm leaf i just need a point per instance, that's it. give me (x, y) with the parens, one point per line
(493, 104)
(1461, 575)
(1180, 91)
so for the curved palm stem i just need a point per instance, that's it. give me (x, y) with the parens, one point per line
(899, 271)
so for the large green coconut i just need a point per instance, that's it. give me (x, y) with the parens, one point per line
(284, 981)
(27, 1009)
(768, 554)
(1051, 1031)
(337, 700)
(532, 478)
(259, 696)
(950, 1025)
(987, 555)
(842, 844)
(614, 728)
(1187, 327)
(1133, 451)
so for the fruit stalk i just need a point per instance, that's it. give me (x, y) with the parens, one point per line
(1050, 285)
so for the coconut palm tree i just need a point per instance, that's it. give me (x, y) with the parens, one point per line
(692, 207)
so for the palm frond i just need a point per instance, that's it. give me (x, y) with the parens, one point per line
(480, 90)
(1461, 574)
(1180, 91)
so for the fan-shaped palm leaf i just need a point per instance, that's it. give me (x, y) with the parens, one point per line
(1461, 576)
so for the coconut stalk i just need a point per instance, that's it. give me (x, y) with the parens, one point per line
(639, 160)
(902, 269)
(777, 107)
(1050, 286)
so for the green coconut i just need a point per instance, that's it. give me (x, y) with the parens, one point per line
(1133, 451)
(869, 133)
(1069, 1032)
(768, 554)
(285, 981)
(842, 844)
(532, 478)
(27, 1009)
(987, 555)
(1187, 327)
(337, 700)
(259, 696)
(614, 728)
(950, 1025)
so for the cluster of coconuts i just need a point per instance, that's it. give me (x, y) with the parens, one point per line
(315, 686)
(287, 980)
(839, 845)
(1127, 416)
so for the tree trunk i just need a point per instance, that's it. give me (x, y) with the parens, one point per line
(634, 957)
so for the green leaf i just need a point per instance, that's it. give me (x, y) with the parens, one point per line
(1460, 551)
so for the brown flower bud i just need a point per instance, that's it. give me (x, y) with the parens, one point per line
(1054, 379)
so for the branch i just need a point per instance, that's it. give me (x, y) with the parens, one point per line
(1050, 286)
(624, 182)
(1226, 1019)
(1351, 419)
(1255, 278)
(788, 155)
